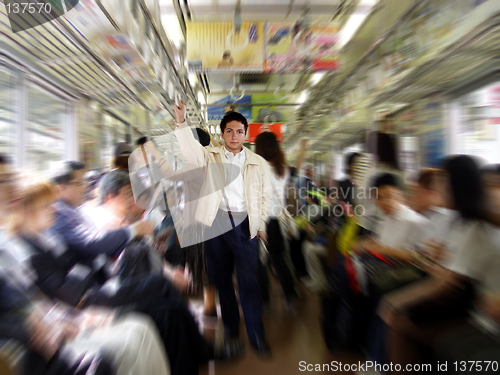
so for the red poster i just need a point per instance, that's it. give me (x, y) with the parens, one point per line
(255, 129)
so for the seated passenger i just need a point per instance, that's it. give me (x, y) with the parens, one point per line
(116, 199)
(58, 339)
(400, 227)
(418, 314)
(60, 276)
(425, 199)
(81, 237)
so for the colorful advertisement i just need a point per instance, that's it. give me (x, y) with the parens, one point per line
(213, 46)
(255, 129)
(433, 148)
(119, 50)
(217, 113)
(266, 113)
(291, 47)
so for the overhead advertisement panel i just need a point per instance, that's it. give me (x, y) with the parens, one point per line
(292, 47)
(217, 113)
(255, 129)
(215, 46)
(266, 113)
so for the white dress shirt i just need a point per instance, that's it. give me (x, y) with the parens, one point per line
(475, 252)
(441, 221)
(234, 194)
(278, 185)
(403, 230)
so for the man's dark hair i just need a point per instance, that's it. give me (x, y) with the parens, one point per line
(233, 116)
(92, 179)
(427, 177)
(111, 184)
(5, 159)
(384, 145)
(466, 187)
(386, 179)
(66, 174)
(203, 137)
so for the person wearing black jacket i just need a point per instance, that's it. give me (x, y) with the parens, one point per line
(346, 186)
(59, 274)
(77, 231)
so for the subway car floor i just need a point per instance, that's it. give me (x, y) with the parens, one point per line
(293, 337)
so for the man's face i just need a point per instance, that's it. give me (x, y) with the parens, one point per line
(388, 199)
(74, 190)
(123, 203)
(234, 136)
(8, 190)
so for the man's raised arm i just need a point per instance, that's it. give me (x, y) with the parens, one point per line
(194, 152)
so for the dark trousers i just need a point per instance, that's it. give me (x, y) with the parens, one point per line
(298, 261)
(235, 249)
(155, 296)
(277, 254)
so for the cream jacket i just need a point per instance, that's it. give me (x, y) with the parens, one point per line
(256, 177)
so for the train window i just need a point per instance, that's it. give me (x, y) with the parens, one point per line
(478, 130)
(45, 133)
(106, 142)
(7, 114)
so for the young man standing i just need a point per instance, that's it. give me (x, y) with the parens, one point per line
(233, 205)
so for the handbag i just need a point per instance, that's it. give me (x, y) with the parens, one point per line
(288, 227)
(387, 274)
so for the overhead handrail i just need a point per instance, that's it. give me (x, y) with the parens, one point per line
(231, 94)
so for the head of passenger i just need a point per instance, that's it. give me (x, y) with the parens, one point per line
(115, 192)
(384, 147)
(8, 188)
(234, 128)
(388, 193)
(491, 181)
(70, 183)
(461, 187)
(267, 146)
(202, 136)
(91, 179)
(121, 155)
(422, 191)
(35, 213)
(350, 161)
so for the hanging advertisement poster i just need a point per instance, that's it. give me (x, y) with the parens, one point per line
(432, 132)
(266, 113)
(291, 47)
(119, 50)
(213, 46)
(217, 113)
(255, 129)
(433, 146)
